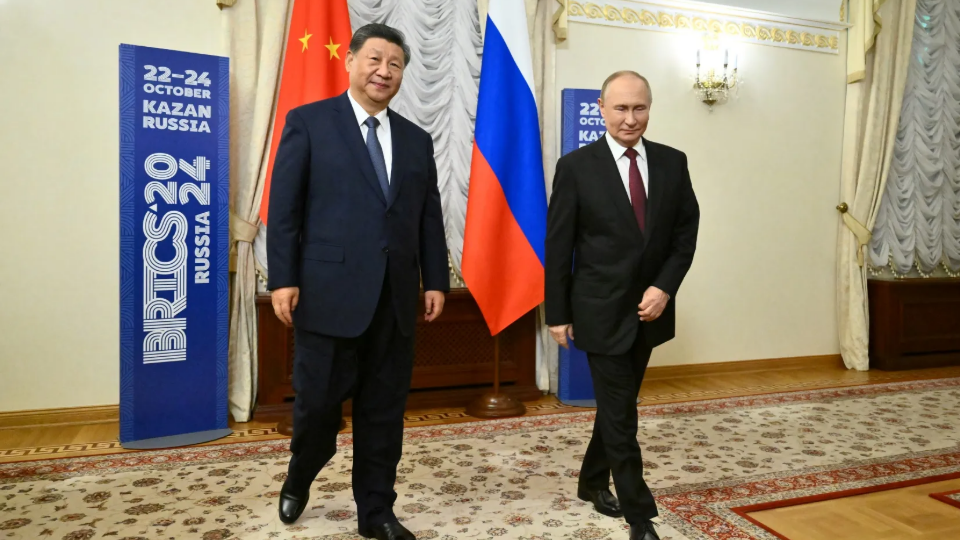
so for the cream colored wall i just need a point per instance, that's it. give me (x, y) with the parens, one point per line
(766, 170)
(59, 324)
(825, 10)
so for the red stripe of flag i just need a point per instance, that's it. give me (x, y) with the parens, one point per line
(503, 272)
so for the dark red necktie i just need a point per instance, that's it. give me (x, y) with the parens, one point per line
(638, 195)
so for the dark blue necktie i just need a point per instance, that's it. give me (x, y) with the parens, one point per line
(376, 154)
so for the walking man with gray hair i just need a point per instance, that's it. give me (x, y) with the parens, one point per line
(621, 233)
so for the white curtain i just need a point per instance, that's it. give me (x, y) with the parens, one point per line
(439, 92)
(545, 31)
(918, 225)
(866, 19)
(253, 34)
(869, 133)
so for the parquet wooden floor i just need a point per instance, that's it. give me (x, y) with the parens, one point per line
(898, 514)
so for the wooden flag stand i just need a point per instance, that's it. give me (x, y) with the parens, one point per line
(494, 404)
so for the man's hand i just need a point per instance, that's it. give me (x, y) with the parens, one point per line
(284, 302)
(434, 304)
(560, 334)
(653, 303)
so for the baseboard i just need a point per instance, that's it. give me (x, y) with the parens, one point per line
(744, 366)
(59, 417)
(111, 413)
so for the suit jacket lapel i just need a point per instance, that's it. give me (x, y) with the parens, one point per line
(612, 184)
(655, 185)
(398, 141)
(352, 135)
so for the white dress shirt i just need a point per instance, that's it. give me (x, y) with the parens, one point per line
(623, 164)
(383, 131)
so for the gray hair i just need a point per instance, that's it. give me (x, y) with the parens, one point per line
(382, 31)
(625, 73)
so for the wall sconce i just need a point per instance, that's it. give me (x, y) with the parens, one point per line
(714, 78)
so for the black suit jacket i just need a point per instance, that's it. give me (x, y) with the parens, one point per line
(334, 234)
(598, 264)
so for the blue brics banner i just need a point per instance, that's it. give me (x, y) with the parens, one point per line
(174, 212)
(574, 384)
(582, 125)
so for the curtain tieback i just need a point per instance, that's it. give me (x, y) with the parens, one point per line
(862, 233)
(241, 230)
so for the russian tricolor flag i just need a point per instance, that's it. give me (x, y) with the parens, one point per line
(506, 218)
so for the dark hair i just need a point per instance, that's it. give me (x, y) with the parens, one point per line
(625, 73)
(382, 31)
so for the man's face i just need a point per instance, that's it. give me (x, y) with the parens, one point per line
(625, 107)
(376, 70)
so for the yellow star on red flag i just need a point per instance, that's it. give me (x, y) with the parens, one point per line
(333, 49)
(306, 37)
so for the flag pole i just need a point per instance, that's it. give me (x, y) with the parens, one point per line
(495, 404)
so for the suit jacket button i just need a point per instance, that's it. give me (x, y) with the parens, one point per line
(386, 250)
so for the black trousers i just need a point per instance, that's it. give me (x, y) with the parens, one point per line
(613, 447)
(375, 369)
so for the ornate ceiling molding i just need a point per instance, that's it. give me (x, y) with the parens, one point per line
(739, 24)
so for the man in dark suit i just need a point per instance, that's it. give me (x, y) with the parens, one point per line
(621, 232)
(355, 225)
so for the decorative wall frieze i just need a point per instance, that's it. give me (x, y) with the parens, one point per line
(696, 17)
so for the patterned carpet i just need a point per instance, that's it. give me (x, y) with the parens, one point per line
(512, 478)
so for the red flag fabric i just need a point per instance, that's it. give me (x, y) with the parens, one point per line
(313, 66)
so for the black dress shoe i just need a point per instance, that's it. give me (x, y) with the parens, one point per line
(292, 504)
(644, 531)
(603, 501)
(389, 531)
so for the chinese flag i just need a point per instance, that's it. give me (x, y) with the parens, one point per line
(313, 66)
